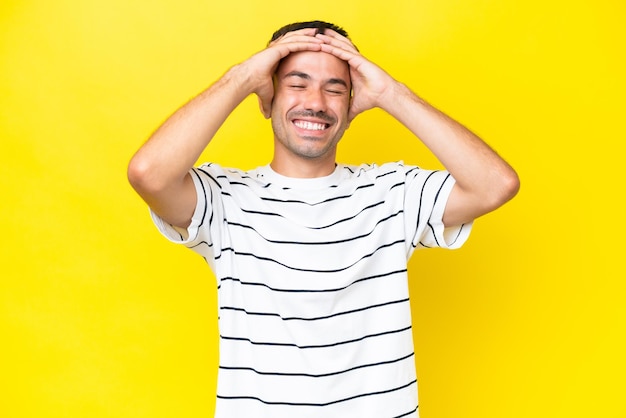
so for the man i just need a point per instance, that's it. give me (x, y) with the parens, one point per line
(311, 255)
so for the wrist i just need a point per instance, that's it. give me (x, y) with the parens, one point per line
(391, 95)
(241, 80)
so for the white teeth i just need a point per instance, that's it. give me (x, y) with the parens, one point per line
(310, 125)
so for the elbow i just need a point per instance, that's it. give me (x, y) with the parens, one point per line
(151, 180)
(509, 185)
(135, 172)
(512, 185)
(140, 176)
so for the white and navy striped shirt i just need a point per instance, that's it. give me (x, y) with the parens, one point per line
(314, 312)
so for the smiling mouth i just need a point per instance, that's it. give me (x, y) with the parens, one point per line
(310, 126)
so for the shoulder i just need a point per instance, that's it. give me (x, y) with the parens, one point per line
(376, 172)
(223, 176)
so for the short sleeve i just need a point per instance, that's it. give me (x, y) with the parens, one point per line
(426, 196)
(198, 236)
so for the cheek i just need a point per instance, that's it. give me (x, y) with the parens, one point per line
(282, 102)
(342, 107)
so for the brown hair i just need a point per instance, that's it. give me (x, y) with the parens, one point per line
(316, 24)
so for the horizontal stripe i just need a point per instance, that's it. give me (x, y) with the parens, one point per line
(379, 305)
(299, 242)
(382, 392)
(337, 270)
(408, 413)
(317, 203)
(337, 289)
(305, 347)
(268, 373)
(368, 207)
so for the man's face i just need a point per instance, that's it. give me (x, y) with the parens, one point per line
(310, 107)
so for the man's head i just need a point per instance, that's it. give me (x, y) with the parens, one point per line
(321, 26)
(309, 111)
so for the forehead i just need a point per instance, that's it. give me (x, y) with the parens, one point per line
(318, 66)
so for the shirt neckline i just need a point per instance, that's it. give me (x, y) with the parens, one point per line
(271, 176)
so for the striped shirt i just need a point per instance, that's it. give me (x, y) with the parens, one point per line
(314, 312)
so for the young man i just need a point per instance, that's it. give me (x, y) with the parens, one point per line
(311, 255)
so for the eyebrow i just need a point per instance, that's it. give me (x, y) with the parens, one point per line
(299, 74)
(307, 77)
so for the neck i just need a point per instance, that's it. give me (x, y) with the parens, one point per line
(303, 168)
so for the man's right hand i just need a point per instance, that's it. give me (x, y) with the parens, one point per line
(159, 171)
(259, 69)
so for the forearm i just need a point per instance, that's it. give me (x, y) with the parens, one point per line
(175, 146)
(159, 171)
(484, 179)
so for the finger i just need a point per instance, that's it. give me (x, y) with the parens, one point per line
(333, 38)
(339, 51)
(333, 34)
(310, 32)
(287, 48)
(296, 41)
(281, 50)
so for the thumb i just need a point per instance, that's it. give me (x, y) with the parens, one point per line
(353, 112)
(265, 104)
(351, 115)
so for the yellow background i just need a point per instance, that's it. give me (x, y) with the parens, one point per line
(102, 317)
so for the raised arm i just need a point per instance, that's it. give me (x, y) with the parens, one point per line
(484, 181)
(159, 171)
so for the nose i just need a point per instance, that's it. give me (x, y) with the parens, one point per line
(315, 100)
